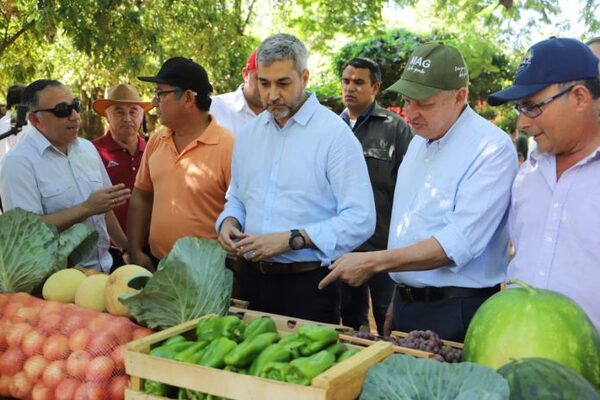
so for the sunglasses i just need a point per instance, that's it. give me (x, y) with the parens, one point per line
(63, 110)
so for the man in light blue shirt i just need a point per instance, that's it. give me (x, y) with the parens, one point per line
(447, 247)
(53, 173)
(300, 194)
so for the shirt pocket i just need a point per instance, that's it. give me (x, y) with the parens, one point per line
(379, 163)
(57, 196)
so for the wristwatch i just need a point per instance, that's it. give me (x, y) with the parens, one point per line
(297, 241)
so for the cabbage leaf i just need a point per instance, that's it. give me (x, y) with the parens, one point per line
(405, 377)
(31, 249)
(190, 281)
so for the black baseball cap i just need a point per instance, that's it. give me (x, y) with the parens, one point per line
(183, 73)
(554, 60)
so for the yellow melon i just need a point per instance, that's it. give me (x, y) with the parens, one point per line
(90, 293)
(117, 286)
(62, 285)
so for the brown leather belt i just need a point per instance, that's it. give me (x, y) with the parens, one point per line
(272, 268)
(430, 293)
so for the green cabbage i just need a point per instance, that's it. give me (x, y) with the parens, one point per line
(31, 249)
(190, 281)
(408, 378)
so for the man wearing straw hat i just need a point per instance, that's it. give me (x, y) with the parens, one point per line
(122, 146)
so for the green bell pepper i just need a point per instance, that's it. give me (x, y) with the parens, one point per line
(303, 370)
(293, 343)
(214, 355)
(191, 354)
(337, 348)
(155, 388)
(317, 337)
(276, 371)
(346, 355)
(174, 339)
(260, 325)
(246, 352)
(275, 352)
(180, 346)
(163, 352)
(229, 326)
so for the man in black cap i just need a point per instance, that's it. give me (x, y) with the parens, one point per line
(185, 171)
(554, 216)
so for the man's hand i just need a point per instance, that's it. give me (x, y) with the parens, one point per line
(260, 247)
(352, 268)
(229, 234)
(105, 199)
(140, 258)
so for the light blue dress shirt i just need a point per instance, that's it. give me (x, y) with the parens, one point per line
(310, 174)
(37, 177)
(555, 227)
(457, 189)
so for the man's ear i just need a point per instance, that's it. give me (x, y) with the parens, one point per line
(582, 96)
(304, 77)
(33, 119)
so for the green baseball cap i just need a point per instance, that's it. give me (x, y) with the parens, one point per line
(431, 68)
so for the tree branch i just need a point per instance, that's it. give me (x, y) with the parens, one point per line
(7, 42)
(243, 27)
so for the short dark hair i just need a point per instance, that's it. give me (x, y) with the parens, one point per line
(593, 40)
(203, 102)
(592, 84)
(366, 63)
(30, 94)
(13, 96)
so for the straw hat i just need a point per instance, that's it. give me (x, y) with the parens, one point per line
(122, 93)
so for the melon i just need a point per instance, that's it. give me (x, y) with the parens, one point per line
(541, 378)
(524, 322)
(62, 285)
(90, 293)
(116, 286)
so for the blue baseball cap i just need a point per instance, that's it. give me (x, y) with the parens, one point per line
(554, 60)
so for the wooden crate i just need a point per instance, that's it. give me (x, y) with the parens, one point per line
(341, 382)
(399, 349)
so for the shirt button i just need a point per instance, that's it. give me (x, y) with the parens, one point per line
(549, 239)
(542, 273)
(123, 150)
(133, 169)
(555, 205)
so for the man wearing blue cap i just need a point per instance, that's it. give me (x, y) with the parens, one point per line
(554, 218)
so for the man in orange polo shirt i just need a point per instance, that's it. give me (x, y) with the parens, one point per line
(185, 170)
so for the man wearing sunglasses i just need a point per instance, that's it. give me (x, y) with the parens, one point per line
(554, 218)
(54, 173)
(185, 170)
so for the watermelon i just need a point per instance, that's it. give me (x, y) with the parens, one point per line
(525, 322)
(541, 378)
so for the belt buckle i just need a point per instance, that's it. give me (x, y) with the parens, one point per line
(264, 267)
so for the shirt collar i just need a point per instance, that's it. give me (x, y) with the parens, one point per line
(41, 143)
(370, 110)
(239, 102)
(537, 156)
(211, 135)
(111, 145)
(303, 115)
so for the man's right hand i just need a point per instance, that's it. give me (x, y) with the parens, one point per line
(142, 259)
(230, 233)
(105, 199)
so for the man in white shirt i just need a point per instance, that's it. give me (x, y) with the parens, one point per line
(235, 109)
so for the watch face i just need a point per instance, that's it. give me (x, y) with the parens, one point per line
(297, 242)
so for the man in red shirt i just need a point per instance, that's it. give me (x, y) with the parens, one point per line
(122, 146)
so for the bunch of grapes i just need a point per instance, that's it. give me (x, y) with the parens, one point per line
(420, 340)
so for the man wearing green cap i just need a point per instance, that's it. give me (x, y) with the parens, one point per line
(447, 246)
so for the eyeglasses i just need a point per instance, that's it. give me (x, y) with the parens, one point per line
(63, 110)
(159, 93)
(535, 110)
